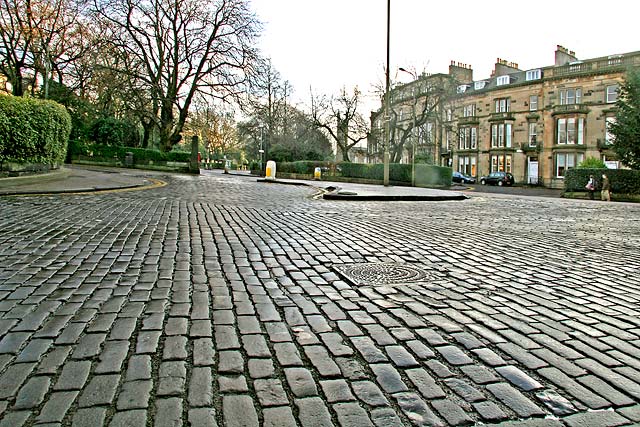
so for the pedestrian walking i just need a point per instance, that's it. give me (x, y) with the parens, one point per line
(591, 186)
(605, 195)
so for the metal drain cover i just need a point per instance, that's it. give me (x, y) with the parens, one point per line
(385, 273)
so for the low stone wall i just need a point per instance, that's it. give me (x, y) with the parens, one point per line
(11, 169)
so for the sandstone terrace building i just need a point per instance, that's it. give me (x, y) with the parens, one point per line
(535, 124)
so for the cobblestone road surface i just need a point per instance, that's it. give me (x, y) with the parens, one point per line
(222, 301)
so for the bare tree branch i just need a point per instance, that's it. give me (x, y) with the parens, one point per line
(339, 118)
(182, 48)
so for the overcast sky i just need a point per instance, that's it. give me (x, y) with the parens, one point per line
(328, 44)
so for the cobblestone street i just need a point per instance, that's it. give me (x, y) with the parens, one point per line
(218, 300)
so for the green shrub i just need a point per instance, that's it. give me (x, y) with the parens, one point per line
(592, 163)
(623, 181)
(83, 112)
(280, 154)
(432, 175)
(305, 167)
(109, 153)
(363, 170)
(33, 130)
(112, 131)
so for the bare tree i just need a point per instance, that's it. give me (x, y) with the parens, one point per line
(267, 104)
(215, 129)
(60, 39)
(16, 41)
(42, 37)
(415, 115)
(182, 48)
(340, 119)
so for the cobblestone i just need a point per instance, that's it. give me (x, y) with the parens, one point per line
(56, 407)
(215, 301)
(135, 418)
(417, 410)
(238, 410)
(301, 382)
(100, 390)
(313, 412)
(169, 412)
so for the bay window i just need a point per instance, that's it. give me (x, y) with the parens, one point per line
(501, 163)
(570, 130)
(566, 161)
(467, 165)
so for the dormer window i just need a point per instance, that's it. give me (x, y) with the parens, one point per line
(463, 88)
(479, 85)
(534, 74)
(503, 80)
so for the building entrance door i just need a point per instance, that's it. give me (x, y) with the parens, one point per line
(532, 170)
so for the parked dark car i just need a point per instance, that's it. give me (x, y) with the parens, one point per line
(497, 178)
(462, 178)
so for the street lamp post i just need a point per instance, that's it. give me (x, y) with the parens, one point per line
(261, 150)
(387, 116)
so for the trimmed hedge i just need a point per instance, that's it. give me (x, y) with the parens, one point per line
(109, 153)
(623, 181)
(433, 175)
(33, 130)
(426, 175)
(303, 167)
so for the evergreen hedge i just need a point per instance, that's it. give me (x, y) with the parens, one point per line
(303, 167)
(426, 175)
(33, 130)
(623, 181)
(109, 153)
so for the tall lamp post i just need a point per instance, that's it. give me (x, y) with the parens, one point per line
(387, 139)
(261, 149)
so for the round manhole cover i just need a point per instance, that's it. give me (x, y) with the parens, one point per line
(371, 274)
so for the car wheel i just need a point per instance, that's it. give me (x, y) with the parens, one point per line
(500, 183)
(483, 182)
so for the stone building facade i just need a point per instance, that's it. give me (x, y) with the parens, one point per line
(535, 123)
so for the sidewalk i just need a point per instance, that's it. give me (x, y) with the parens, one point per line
(72, 179)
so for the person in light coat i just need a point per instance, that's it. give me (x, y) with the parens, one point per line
(605, 194)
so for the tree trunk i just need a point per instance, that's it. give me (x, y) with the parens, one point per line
(16, 81)
(147, 129)
(166, 126)
(345, 153)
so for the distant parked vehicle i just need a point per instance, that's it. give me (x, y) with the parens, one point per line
(497, 178)
(462, 178)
